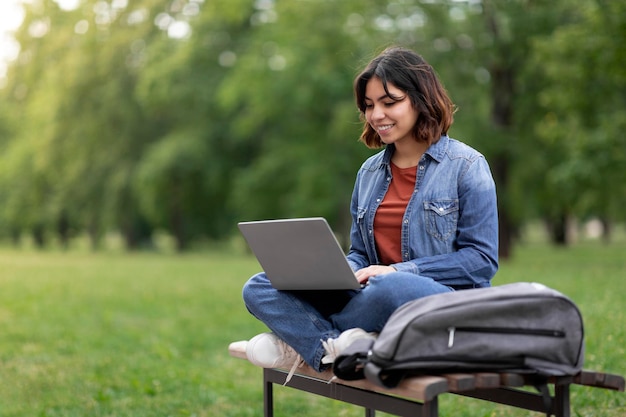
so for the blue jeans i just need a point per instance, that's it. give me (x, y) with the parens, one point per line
(304, 318)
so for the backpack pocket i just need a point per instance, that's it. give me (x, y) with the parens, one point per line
(453, 331)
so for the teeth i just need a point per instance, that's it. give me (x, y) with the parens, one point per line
(385, 127)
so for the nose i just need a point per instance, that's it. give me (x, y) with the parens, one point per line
(377, 113)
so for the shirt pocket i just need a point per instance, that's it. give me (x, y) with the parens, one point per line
(441, 218)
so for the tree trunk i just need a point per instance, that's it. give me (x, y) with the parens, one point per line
(557, 229)
(502, 71)
(177, 228)
(502, 118)
(15, 237)
(137, 233)
(95, 235)
(176, 216)
(63, 230)
(39, 236)
(506, 228)
(607, 228)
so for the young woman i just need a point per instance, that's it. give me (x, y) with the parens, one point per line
(424, 221)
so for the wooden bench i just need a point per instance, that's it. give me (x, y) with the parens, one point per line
(418, 396)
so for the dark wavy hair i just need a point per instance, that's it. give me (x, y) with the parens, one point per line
(409, 72)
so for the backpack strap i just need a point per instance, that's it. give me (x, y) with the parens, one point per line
(540, 382)
(350, 363)
(383, 378)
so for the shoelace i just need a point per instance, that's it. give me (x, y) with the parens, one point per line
(332, 353)
(298, 363)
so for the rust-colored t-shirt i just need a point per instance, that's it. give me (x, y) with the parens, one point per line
(388, 219)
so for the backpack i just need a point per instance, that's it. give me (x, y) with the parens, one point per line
(520, 327)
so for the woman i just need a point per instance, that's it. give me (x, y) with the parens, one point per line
(424, 221)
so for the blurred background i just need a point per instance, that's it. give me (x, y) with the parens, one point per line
(175, 119)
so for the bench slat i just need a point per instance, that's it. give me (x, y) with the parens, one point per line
(461, 382)
(601, 380)
(487, 380)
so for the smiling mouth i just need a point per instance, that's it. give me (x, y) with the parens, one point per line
(384, 128)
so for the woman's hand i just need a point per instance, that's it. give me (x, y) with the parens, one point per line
(363, 275)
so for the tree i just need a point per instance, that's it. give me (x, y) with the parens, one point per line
(74, 82)
(583, 116)
(186, 176)
(188, 116)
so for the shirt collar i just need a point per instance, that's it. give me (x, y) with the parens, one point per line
(436, 151)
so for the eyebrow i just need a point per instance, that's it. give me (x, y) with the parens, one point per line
(384, 96)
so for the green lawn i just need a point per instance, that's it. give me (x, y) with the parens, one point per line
(145, 334)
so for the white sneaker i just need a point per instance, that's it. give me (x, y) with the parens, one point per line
(268, 351)
(334, 347)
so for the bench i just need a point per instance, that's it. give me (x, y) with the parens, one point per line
(418, 396)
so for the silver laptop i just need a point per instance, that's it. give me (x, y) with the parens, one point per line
(299, 254)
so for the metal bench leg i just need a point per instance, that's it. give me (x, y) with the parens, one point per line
(561, 404)
(370, 412)
(268, 396)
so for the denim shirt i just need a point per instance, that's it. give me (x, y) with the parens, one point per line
(450, 226)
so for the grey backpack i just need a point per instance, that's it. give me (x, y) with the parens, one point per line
(522, 327)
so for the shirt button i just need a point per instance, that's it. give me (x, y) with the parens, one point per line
(406, 221)
(440, 208)
(421, 167)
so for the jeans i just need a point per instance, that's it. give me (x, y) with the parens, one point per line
(302, 319)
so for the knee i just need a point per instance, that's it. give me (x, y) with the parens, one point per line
(397, 288)
(253, 288)
(385, 293)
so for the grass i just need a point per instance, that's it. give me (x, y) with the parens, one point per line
(115, 334)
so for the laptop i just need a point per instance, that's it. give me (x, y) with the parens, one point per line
(299, 254)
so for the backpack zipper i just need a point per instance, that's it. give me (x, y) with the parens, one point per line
(502, 330)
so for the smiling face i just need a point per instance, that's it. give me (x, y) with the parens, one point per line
(405, 73)
(390, 113)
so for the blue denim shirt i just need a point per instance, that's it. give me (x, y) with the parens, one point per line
(450, 226)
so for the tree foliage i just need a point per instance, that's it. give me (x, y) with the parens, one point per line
(583, 104)
(188, 115)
